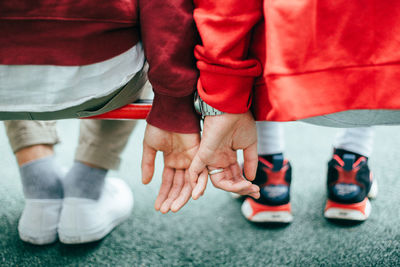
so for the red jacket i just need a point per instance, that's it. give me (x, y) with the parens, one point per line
(291, 60)
(75, 33)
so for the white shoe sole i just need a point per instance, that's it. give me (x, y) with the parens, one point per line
(373, 192)
(354, 215)
(38, 222)
(267, 216)
(349, 214)
(84, 220)
(91, 235)
(37, 238)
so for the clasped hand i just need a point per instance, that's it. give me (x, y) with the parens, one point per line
(187, 160)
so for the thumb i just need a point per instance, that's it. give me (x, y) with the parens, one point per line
(148, 158)
(196, 168)
(250, 162)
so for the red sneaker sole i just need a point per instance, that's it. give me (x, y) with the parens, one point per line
(256, 212)
(354, 212)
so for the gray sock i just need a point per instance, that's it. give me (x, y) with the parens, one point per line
(83, 181)
(41, 179)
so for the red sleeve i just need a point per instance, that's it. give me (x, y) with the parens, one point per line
(226, 73)
(169, 36)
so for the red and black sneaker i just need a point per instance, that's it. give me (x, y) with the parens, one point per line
(350, 184)
(274, 179)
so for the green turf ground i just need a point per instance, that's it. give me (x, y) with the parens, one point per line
(211, 231)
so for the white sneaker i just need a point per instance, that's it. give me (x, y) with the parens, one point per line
(86, 220)
(39, 220)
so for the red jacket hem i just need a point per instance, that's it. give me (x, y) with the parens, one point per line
(300, 96)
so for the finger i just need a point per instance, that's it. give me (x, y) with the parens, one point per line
(148, 158)
(242, 187)
(238, 177)
(237, 172)
(255, 195)
(184, 195)
(174, 192)
(196, 168)
(167, 178)
(183, 198)
(250, 162)
(201, 185)
(221, 178)
(227, 182)
(249, 190)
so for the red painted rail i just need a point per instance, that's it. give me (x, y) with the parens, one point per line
(135, 111)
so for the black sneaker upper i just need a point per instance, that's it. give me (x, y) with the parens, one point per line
(348, 178)
(274, 179)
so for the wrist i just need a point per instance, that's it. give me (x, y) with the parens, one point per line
(203, 109)
(174, 114)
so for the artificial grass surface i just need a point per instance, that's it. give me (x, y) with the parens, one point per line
(211, 231)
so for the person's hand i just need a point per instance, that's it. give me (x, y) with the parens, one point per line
(222, 136)
(178, 151)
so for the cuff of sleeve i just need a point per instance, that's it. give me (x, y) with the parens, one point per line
(227, 92)
(175, 114)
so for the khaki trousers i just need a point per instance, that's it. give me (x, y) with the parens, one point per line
(100, 141)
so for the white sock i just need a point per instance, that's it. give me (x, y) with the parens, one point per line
(270, 138)
(358, 140)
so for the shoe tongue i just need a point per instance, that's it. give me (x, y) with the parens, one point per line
(277, 162)
(348, 160)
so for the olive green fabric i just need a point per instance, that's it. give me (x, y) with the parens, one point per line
(121, 97)
(357, 118)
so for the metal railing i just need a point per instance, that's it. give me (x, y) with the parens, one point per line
(134, 111)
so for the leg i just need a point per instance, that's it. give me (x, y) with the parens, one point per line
(31, 140)
(100, 144)
(356, 140)
(87, 193)
(32, 143)
(350, 180)
(102, 141)
(270, 138)
(273, 176)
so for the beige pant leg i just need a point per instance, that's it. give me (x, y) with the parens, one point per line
(28, 133)
(102, 141)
